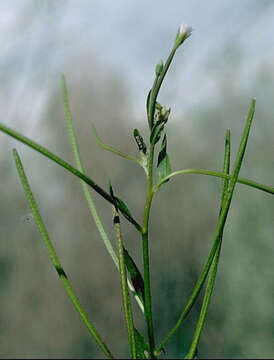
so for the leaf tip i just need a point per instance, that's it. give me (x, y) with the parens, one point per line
(93, 130)
(63, 81)
(15, 153)
(110, 188)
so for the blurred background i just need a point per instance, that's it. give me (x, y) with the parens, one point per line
(108, 53)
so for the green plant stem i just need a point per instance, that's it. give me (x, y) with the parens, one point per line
(148, 307)
(150, 114)
(54, 258)
(152, 101)
(111, 149)
(214, 266)
(79, 165)
(251, 183)
(68, 167)
(85, 188)
(204, 309)
(124, 286)
(193, 297)
(156, 87)
(220, 226)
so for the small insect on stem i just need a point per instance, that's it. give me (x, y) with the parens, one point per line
(140, 142)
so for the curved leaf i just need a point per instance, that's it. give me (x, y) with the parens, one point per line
(163, 165)
(142, 348)
(135, 275)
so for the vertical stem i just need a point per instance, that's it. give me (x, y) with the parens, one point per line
(157, 85)
(151, 109)
(148, 308)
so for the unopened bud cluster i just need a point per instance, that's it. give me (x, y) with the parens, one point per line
(164, 114)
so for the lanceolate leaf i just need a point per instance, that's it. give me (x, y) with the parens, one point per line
(147, 105)
(156, 132)
(221, 223)
(123, 206)
(65, 165)
(164, 168)
(135, 275)
(163, 165)
(119, 203)
(142, 348)
(123, 277)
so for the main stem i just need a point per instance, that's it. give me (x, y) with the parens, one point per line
(157, 85)
(148, 309)
(152, 101)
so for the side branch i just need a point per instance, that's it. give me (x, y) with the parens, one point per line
(67, 166)
(251, 183)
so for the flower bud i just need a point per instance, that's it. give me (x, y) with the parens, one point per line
(183, 33)
(164, 114)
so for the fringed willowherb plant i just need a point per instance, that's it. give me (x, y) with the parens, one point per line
(132, 280)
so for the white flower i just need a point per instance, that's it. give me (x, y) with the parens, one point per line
(183, 33)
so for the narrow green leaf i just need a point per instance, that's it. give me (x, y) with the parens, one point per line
(87, 193)
(213, 270)
(135, 275)
(148, 99)
(158, 106)
(164, 168)
(118, 202)
(240, 180)
(122, 206)
(79, 165)
(156, 132)
(65, 165)
(111, 149)
(53, 256)
(163, 164)
(226, 167)
(162, 152)
(142, 348)
(221, 223)
(110, 189)
(123, 278)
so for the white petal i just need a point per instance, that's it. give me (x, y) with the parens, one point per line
(185, 30)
